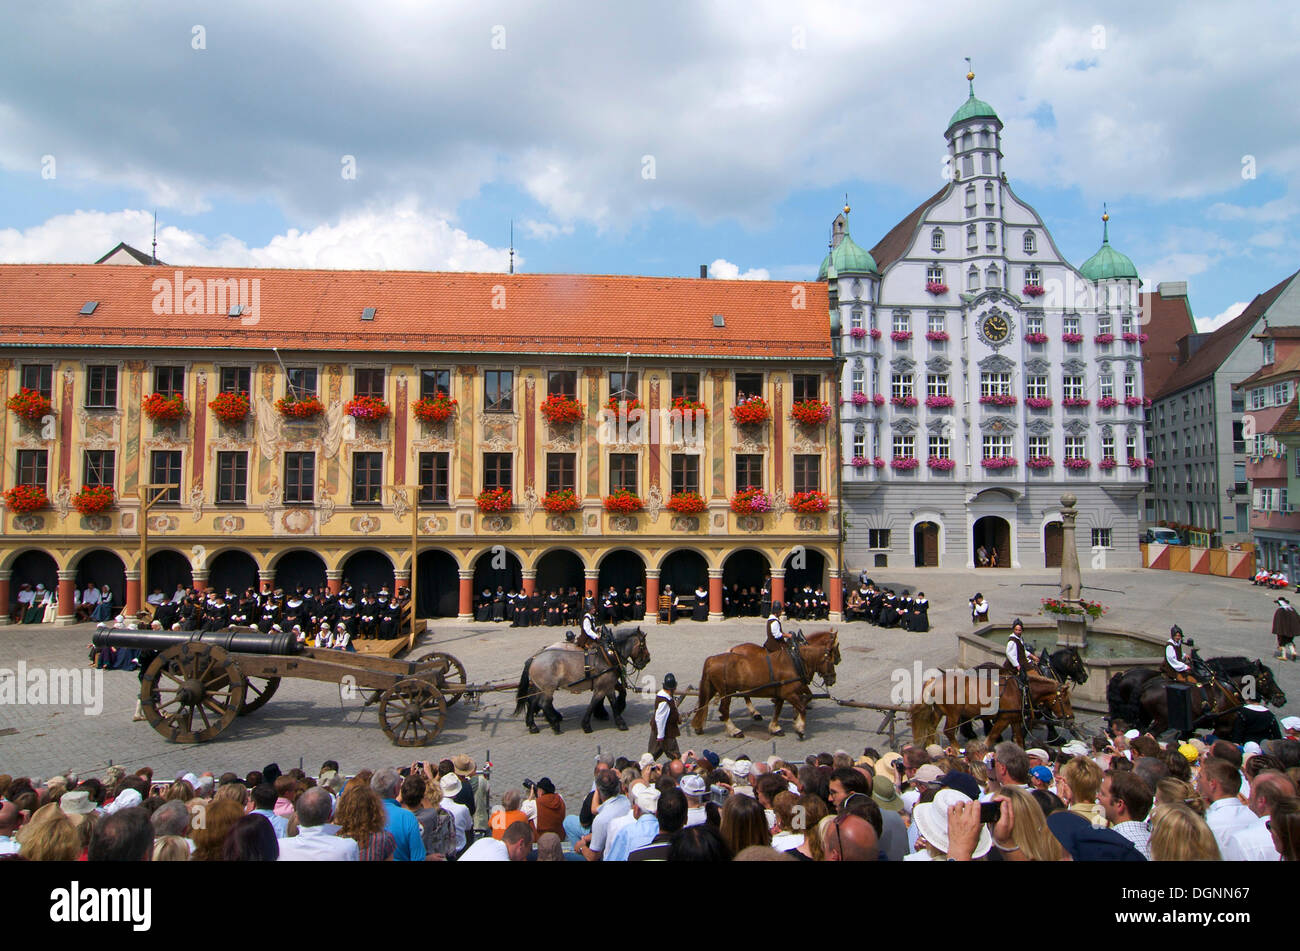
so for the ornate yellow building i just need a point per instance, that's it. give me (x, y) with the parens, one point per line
(281, 500)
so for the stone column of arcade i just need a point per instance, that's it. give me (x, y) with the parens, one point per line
(334, 580)
(267, 580)
(590, 581)
(836, 596)
(778, 586)
(200, 581)
(652, 594)
(67, 594)
(132, 593)
(715, 594)
(530, 582)
(4, 597)
(465, 607)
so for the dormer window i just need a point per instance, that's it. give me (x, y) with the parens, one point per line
(1031, 243)
(936, 239)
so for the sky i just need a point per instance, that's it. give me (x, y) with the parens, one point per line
(640, 138)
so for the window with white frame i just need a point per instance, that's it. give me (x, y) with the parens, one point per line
(901, 385)
(904, 446)
(1131, 445)
(941, 447)
(1265, 500)
(1258, 398)
(970, 201)
(934, 322)
(1039, 447)
(995, 384)
(936, 239)
(1268, 351)
(1072, 387)
(934, 274)
(1031, 243)
(902, 322)
(859, 379)
(1126, 324)
(1034, 325)
(1281, 393)
(1036, 386)
(998, 447)
(1074, 447)
(1260, 446)
(1107, 386)
(1033, 277)
(1130, 385)
(859, 444)
(993, 277)
(1103, 324)
(936, 384)
(973, 279)
(1070, 324)
(1101, 538)
(989, 201)
(972, 238)
(990, 237)
(1108, 447)
(855, 319)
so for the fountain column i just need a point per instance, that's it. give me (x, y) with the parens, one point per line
(1072, 628)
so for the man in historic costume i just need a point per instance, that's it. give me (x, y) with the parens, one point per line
(388, 617)
(1177, 664)
(777, 638)
(1019, 657)
(701, 610)
(1286, 625)
(608, 612)
(499, 604)
(665, 726)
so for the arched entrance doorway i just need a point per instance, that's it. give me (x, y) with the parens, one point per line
(371, 570)
(300, 569)
(494, 569)
(743, 574)
(438, 587)
(1053, 539)
(32, 567)
(100, 567)
(559, 570)
(925, 545)
(621, 569)
(169, 568)
(232, 569)
(992, 535)
(684, 571)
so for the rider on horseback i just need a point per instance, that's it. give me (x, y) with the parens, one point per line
(1177, 666)
(777, 639)
(594, 640)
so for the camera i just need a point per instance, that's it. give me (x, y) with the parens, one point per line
(529, 784)
(991, 811)
(718, 795)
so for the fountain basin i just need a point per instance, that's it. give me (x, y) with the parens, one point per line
(1107, 651)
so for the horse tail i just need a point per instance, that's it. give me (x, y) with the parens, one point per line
(924, 721)
(523, 693)
(1121, 705)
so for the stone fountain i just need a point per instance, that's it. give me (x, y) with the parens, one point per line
(1071, 628)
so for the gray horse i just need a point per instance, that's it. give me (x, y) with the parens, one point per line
(563, 667)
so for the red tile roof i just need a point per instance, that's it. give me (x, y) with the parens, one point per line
(1287, 423)
(1285, 366)
(894, 245)
(1165, 321)
(421, 311)
(1221, 343)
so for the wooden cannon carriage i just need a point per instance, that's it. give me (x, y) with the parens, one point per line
(197, 682)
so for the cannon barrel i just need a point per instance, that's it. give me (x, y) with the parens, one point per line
(233, 640)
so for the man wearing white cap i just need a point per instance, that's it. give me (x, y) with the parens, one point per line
(694, 789)
(641, 830)
(459, 811)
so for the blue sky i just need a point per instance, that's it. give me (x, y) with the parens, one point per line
(640, 141)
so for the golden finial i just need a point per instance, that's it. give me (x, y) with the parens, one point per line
(970, 75)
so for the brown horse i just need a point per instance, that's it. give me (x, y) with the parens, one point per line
(748, 670)
(961, 697)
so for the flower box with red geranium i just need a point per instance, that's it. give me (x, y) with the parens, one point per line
(907, 402)
(304, 407)
(93, 499)
(495, 500)
(860, 462)
(901, 336)
(1040, 462)
(1146, 403)
(26, 498)
(434, 409)
(998, 399)
(1078, 464)
(1076, 402)
(999, 462)
(1036, 338)
(684, 406)
(940, 463)
(559, 409)
(623, 502)
(1093, 609)
(936, 287)
(878, 462)
(904, 462)
(878, 399)
(875, 334)
(1103, 339)
(30, 406)
(369, 409)
(164, 409)
(560, 501)
(1134, 462)
(1132, 402)
(686, 503)
(750, 502)
(857, 333)
(861, 399)
(1038, 402)
(811, 412)
(1034, 290)
(939, 402)
(1108, 463)
(231, 408)
(1071, 338)
(1129, 338)
(1150, 463)
(751, 411)
(622, 404)
(1107, 402)
(809, 503)
(936, 336)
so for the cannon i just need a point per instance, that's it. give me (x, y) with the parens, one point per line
(195, 683)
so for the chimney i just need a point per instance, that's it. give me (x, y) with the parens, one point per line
(704, 271)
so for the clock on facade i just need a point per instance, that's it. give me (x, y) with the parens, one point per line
(995, 329)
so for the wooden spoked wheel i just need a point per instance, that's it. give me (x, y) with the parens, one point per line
(192, 692)
(412, 712)
(447, 671)
(257, 692)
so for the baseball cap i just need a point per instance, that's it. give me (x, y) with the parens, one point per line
(1039, 753)
(929, 773)
(1041, 773)
(692, 785)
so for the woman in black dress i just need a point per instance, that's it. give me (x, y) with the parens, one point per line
(920, 613)
(701, 611)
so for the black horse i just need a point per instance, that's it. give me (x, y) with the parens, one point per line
(1137, 697)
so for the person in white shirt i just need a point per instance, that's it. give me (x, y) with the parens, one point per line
(1175, 667)
(694, 788)
(513, 846)
(1254, 843)
(776, 635)
(1218, 783)
(979, 609)
(613, 805)
(459, 811)
(156, 597)
(314, 843)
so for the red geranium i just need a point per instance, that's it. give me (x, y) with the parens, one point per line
(809, 502)
(811, 412)
(93, 499)
(495, 500)
(750, 501)
(434, 409)
(30, 405)
(164, 409)
(683, 405)
(623, 501)
(26, 498)
(752, 409)
(686, 503)
(230, 407)
(300, 407)
(613, 404)
(561, 500)
(561, 409)
(370, 409)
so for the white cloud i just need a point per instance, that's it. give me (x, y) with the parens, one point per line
(1208, 324)
(724, 270)
(543, 230)
(396, 237)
